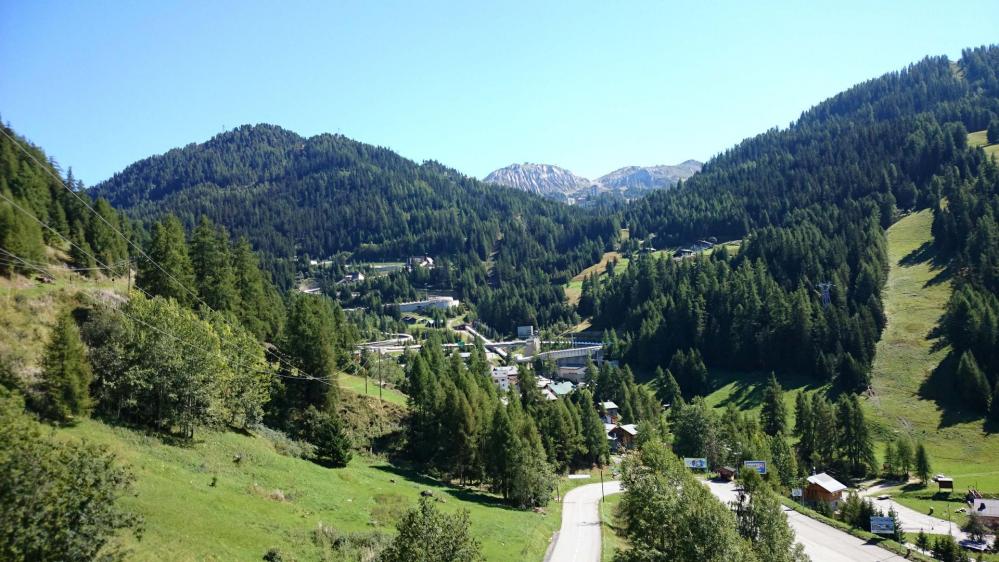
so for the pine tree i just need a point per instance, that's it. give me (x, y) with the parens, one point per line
(773, 415)
(804, 429)
(667, 389)
(903, 455)
(66, 374)
(992, 133)
(213, 266)
(313, 340)
(168, 248)
(972, 384)
(922, 464)
(891, 459)
(80, 252)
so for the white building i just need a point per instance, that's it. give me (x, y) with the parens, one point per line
(504, 377)
(443, 303)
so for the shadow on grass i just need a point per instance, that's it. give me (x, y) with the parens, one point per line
(748, 387)
(927, 253)
(939, 387)
(462, 494)
(164, 437)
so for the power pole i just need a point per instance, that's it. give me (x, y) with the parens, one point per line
(601, 484)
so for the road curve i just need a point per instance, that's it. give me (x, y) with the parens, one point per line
(579, 538)
(822, 543)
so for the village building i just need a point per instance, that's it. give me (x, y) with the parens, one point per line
(987, 511)
(561, 389)
(426, 262)
(824, 488)
(525, 332)
(624, 435)
(504, 377)
(611, 412)
(726, 473)
(443, 303)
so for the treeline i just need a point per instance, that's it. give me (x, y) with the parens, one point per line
(462, 427)
(831, 436)
(761, 309)
(32, 186)
(327, 194)
(810, 203)
(965, 230)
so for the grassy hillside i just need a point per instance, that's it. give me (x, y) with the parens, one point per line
(267, 500)
(979, 139)
(574, 288)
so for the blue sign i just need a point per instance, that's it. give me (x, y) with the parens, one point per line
(758, 466)
(883, 525)
(695, 463)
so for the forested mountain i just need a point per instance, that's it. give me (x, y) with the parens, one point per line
(326, 194)
(810, 203)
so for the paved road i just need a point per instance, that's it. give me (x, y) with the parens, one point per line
(822, 543)
(912, 520)
(579, 538)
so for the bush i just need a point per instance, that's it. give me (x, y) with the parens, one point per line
(326, 433)
(58, 499)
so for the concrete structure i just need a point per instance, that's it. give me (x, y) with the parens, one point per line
(824, 488)
(443, 303)
(574, 374)
(525, 332)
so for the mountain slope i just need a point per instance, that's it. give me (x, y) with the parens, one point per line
(559, 183)
(542, 179)
(638, 179)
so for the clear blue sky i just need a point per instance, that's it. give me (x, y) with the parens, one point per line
(591, 86)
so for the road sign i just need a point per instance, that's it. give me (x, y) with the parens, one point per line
(883, 525)
(796, 492)
(758, 466)
(695, 463)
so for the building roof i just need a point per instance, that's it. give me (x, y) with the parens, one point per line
(608, 405)
(548, 394)
(985, 508)
(827, 483)
(630, 428)
(561, 388)
(504, 371)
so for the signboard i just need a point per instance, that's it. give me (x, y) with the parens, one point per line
(882, 525)
(695, 463)
(796, 492)
(758, 466)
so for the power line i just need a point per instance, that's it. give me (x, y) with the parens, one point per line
(167, 333)
(292, 367)
(123, 237)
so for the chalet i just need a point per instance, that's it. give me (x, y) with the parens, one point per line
(824, 488)
(352, 277)
(684, 253)
(987, 511)
(726, 473)
(624, 434)
(425, 262)
(611, 412)
(561, 389)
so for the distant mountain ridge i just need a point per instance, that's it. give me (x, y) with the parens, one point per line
(559, 183)
(543, 179)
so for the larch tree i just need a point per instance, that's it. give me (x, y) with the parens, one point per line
(66, 373)
(773, 415)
